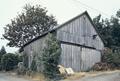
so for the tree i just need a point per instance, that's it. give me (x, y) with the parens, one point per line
(9, 61)
(110, 32)
(109, 29)
(2, 52)
(111, 57)
(33, 66)
(50, 56)
(32, 22)
(118, 13)
(115, 24)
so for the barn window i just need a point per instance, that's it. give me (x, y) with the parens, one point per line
(94, 36)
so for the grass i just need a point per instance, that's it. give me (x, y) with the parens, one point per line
(79, 75)
(76, 76)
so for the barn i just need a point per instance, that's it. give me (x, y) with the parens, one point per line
(80, 42)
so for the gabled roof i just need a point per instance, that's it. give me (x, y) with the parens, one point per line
(56, 28)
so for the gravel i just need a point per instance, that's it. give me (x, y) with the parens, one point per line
(6, 77)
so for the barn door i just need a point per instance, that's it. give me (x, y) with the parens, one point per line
(88, 58)
(71, 56)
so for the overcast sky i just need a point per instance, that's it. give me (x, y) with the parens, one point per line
(63, 10)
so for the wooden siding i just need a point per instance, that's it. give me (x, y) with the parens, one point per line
(76, 33)
(79, 58)
(80, 31)
(70, 56)
(35, 48)
(79, 50)
(89, 57)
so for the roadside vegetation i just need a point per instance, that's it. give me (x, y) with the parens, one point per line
(48, 59)
(8, 61)
(30, 23)
(109, 30)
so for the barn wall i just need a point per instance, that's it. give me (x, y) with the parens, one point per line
(71, 56)
(89, 57)
(80, 31)
(78, 57)
(35, 48)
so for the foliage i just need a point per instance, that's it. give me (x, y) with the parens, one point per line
(112, 58)
(2, 52)
(21, 69)
(101, 66)
(9, 61)
(110, 32)
(0, 66)
(32, 22)
(25, 60)
(50, 56)
(33, 66)
(109, 29)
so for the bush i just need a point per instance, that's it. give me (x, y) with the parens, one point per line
(101, 66)
(112, 58)
(9, 61)
(33, 66)
(0, 66)
(21, 69)
(2, 52)
(25, 60)
(50, 56)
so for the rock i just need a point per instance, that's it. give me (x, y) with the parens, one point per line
(69, 71)
(61, 69)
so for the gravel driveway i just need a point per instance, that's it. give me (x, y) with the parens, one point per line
(113, 76)
(103, 77)
(7, 77)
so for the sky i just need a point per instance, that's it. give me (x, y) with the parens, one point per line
(63, 10)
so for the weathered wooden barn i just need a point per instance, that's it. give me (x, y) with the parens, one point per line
(81, 44)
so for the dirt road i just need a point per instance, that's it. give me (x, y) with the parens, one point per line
(113, 76)
(7, 77)
(102, 77)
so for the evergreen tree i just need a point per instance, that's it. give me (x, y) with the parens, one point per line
(50, 56)
(2, 52)
(109, 29)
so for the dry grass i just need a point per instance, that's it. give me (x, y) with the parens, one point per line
(92, 73)
(38, 77)
(33, 76)
(75, 76)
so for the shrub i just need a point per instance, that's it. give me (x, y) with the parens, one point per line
(9, 61)
(112, 58)
(50, 56)
(25, 60)
(0, 66)
(33, 66)
(101, 66)
(21, 69)
(2, 52)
